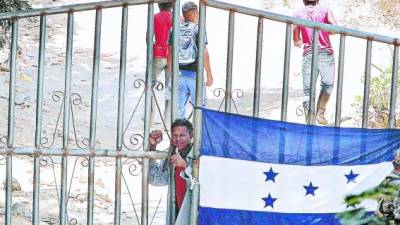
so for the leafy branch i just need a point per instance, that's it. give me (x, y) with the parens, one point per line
(360, 216)
(379, 98)
(6, 24)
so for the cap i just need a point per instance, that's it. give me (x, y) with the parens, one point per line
(187, 6)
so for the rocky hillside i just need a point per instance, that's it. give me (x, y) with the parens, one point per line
(372, 15)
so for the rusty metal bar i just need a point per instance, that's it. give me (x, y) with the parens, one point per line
(174, 100)
(286, 71)
(229, 62)
(120, 122)
(367, 80)
(93, 115)
(66, 117)
(198, 116)
(342, 50)
(287, 19)
(257, 80)
(313, 80)
(147, 108)
(75, 8)
(38, 130)
(11, 119)
(393, 91)
(109, 153)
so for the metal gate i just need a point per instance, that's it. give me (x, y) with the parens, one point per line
(89, 152)
(289, 21)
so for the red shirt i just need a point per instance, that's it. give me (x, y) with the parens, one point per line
(162, 26)
(316, 14)
(180, 186)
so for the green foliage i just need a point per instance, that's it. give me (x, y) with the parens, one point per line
(383, 190)
(359, 216)
(5, 25)
(379, 98)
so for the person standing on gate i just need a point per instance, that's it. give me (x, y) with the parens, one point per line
(326, 60)
(188, 42)
(162, 28)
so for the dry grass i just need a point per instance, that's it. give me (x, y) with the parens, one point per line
(390, 10)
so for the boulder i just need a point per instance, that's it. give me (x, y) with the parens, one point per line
(16, 186)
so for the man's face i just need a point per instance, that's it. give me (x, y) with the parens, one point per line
(195, 15)
(192, 16)
(396, 164)
(181, 137)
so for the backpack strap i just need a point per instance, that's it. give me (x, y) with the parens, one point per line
(192, 26)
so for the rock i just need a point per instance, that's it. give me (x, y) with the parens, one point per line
(74, 195)
(103, 197)
(82, 197)
(21, 210)
(2, 201)
(25, 77)
(55, 63)
(83, 178)
(20, 220)
(99, 182)
(100, 206)
(16, 186)
(4, 69)
(50, 219)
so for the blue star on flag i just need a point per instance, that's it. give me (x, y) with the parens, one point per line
(310, 189)
(269, 201)
(270, 175)
(351, 177)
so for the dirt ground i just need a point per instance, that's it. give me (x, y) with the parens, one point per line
(107, 114)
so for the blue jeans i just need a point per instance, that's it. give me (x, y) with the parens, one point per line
(187, 91)
(325, 67)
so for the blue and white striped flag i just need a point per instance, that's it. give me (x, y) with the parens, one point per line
(265, 172)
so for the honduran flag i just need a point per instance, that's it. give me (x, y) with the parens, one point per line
(256, 171)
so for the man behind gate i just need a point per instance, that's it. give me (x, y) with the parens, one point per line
(180, 160)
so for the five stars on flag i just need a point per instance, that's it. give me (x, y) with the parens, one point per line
(310, 189)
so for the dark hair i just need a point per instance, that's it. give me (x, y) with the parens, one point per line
(312, 2)
(182, 123)
(165, 6)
